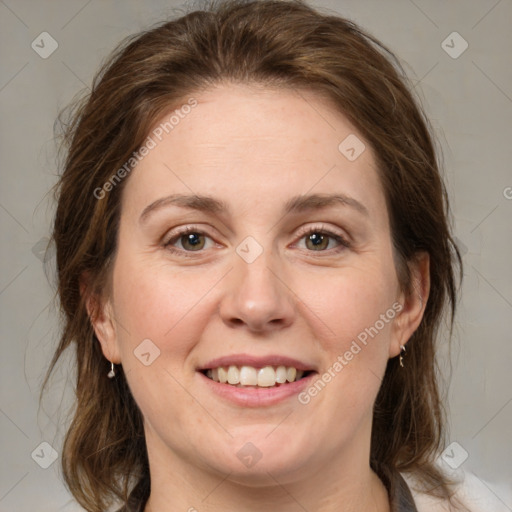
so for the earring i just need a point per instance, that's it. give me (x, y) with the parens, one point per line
(402, 352)
(112, 373)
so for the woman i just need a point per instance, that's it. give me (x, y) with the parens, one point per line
(253, 259)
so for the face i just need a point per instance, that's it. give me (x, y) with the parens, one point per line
(286, 262)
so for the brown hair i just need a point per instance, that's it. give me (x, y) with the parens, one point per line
(285, 44)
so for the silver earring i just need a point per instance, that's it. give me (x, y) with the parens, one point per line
(112, 373)
(402, 352)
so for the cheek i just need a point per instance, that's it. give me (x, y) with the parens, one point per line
(169, 308)
(353, 317)
(351, 301)
(153, 301)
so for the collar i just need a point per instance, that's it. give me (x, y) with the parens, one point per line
(400, 496)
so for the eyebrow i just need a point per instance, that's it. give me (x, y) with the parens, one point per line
(297, 204)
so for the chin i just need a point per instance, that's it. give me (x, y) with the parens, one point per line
(255, 461)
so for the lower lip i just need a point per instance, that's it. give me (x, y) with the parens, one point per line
(255, 396)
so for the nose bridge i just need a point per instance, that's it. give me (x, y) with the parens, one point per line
(257, 295)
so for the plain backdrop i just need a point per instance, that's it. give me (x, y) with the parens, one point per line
(467, 93)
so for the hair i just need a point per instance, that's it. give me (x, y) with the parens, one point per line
(283, 44)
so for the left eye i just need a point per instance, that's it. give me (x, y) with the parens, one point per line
(319, 240)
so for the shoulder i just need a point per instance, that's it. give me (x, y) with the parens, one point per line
(471, 494)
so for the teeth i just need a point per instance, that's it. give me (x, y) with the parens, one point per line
(248, 376)
(281, 374)
(222, 374)
(233, 375)
(266, 377)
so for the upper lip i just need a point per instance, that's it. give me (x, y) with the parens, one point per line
(256, 362)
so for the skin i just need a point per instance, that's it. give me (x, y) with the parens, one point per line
(255, 148)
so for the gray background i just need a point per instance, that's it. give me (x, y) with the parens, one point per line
(469, 101)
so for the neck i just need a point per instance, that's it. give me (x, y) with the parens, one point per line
(342, 485)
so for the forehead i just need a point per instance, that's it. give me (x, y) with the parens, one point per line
(250, 145)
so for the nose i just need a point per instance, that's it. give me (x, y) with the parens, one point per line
(257, 296)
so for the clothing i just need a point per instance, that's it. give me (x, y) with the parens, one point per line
(400, 497)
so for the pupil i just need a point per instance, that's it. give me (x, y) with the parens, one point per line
(191, 238)
(316, 239)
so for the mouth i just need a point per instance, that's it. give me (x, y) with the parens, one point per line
(245, 376)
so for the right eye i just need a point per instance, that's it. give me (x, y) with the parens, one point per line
(190, 239)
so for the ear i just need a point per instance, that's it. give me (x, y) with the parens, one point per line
(100, 311)
(414, 302)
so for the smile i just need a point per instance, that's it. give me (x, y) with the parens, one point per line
(250, 376)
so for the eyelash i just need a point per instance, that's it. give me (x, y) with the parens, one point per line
(344, 244)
